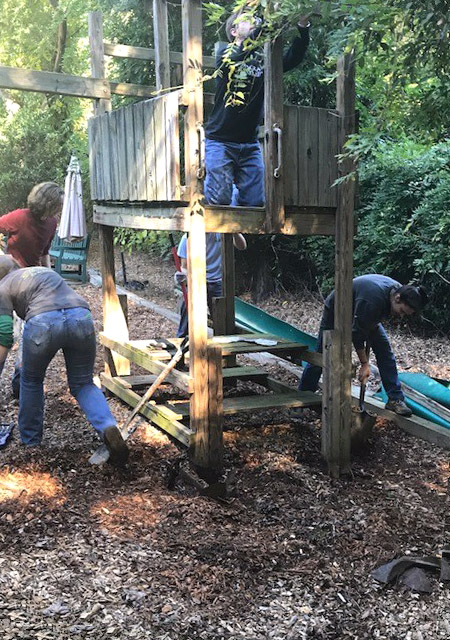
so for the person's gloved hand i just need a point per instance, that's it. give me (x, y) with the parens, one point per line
(180, 278)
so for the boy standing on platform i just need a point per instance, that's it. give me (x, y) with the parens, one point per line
(233, 153)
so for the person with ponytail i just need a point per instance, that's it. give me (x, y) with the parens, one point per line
(375, 297)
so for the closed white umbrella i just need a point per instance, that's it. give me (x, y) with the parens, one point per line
(72, 226)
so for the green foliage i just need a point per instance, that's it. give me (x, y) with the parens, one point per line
(404, 228)
(154, 242)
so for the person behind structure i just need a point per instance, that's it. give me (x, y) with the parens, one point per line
(233, 153)
(213, 272)
(375, 297)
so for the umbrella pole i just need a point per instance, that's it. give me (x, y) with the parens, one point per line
(124, 271)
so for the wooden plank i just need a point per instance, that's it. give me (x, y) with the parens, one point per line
(258, 402)
(93, 149)
(114, 321)
(139, 151)
(273, 120)
(145, 360)
(436, 407)
(198, 313)
(143, 53)
(177, 218)
(415, 426)
(132, 90)
(51, 82)
(149, 147)
(215, 410)
(171, 105)
(97, 57)
(331, 436)
(160, 150)
(122, 165)
(242, 373)
(311, 159)
(159, 416)
(344, 253)
(131, 152)
(114, 158)
(161, 38)
(105, 156)
(290, 155)
(137, 382)
(331, 165)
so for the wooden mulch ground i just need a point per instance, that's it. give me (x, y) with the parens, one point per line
(102, 553)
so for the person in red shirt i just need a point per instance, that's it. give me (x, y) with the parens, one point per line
(31, 230)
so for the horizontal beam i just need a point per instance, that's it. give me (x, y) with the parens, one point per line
(136, 90)
(218, 219)
(415, 426)
(66, 85)
(50, 82)
(144, 53)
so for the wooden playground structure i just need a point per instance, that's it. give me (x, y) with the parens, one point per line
(140, 181)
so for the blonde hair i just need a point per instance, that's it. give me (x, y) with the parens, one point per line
(44, 200)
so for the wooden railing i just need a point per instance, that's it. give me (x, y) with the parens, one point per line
(135, 152)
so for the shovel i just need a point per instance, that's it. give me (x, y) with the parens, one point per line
(362, 420)
(101, 455)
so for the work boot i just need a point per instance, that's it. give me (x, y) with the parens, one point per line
(118, 450)
(398, 407)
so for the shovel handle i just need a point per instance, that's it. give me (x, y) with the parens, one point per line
(159, 380)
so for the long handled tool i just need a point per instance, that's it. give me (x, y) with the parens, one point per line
(362, 420)
(101, 455)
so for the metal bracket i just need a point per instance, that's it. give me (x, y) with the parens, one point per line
(201, 151)
(279, 133)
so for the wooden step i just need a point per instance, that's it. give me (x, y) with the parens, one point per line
(257, 402)
(161, 415)
(137, 352)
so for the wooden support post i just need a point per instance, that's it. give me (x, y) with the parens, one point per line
(114, 322)
(331, 445)
(215, 412)
(196, 256)
(273, 136)
(342, 362)
(228, 282)
(161, 37)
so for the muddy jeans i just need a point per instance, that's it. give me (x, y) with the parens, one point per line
(71, 330)
(229, 163)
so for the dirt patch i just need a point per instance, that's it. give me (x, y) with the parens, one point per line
(101, 553)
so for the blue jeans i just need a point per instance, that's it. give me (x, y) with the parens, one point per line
(229, 163)
(71, 330)
(379, 344)
(213, 290)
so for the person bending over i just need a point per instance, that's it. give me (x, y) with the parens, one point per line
(375, 297)
(55, 318)
(31, 230)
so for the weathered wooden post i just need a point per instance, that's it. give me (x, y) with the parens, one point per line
(273, 135)
(338, 369)
(161, 37)
(204, 461)
(114, 321)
